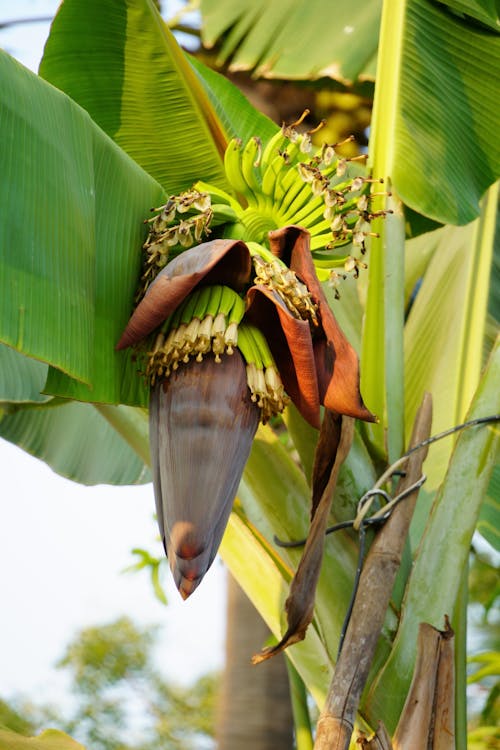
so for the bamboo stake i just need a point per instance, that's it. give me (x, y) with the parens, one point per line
(336, 722)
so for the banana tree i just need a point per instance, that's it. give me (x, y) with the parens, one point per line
(119, 120)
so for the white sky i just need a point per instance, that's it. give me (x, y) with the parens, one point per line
(63, 546)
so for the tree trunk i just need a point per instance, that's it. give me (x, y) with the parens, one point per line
(255, 711)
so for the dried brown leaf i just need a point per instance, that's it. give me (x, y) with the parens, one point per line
(428, 718)
(300, 603)
(337, 364)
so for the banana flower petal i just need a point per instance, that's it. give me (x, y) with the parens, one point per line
(337, 365)
(203, 416)
(202, 425)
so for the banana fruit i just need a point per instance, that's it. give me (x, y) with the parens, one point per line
(282, 182)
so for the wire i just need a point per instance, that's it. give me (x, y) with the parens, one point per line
(362, 522)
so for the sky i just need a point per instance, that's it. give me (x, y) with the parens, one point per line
(62, 549)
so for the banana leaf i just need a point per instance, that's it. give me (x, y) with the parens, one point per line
(75, 204)
(78, 442)
(50, 739)
(294, 40)
(21, 379)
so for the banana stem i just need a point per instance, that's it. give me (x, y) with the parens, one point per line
(382, 376)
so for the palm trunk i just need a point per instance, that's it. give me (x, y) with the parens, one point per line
(254, 710)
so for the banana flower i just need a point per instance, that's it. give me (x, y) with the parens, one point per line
(231, 330)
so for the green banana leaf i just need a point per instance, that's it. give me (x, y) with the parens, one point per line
(489, 517)
(135, 82)
(445, 329)
(75, 204)
(421, 122)
(51, 739)
(484, 11)
(308, 39)
(77, 441)
(21, 379)
(168, 111)
(446, 113)
(237, 116)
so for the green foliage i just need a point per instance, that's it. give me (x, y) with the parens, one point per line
(103, 656)
(138, 101)
(154, 566)
(114, 679)
(98, 197)
(13, 719)
(77, 440)
(50, 739)
(285, 40)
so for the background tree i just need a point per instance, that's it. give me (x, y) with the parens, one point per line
(120, 700)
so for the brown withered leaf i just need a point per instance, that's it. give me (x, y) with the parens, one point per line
(337, 363)
(289, 339)
(325, 456)
(300, 602)
(428, 717)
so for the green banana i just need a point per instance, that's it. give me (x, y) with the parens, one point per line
(202, 302)
(214, 300)
(250, 160)
(285, 181)
(247, 347)
(227, 301)
(271, 175)
(320, 240)
(188, 307)
(272, 148)
(311, 211)
(222, 213)
(296, 193)
(300, 201)
(293, 150)
(237, 311)
(232, 167)
(261, 345)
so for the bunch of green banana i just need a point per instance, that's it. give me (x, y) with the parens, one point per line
(287, 183)
(209, 322)
(206, 321)
(263, 378)
(284, 182)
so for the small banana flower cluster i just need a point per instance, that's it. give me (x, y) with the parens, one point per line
(167, 231)
(232, 329)
(274, 275)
